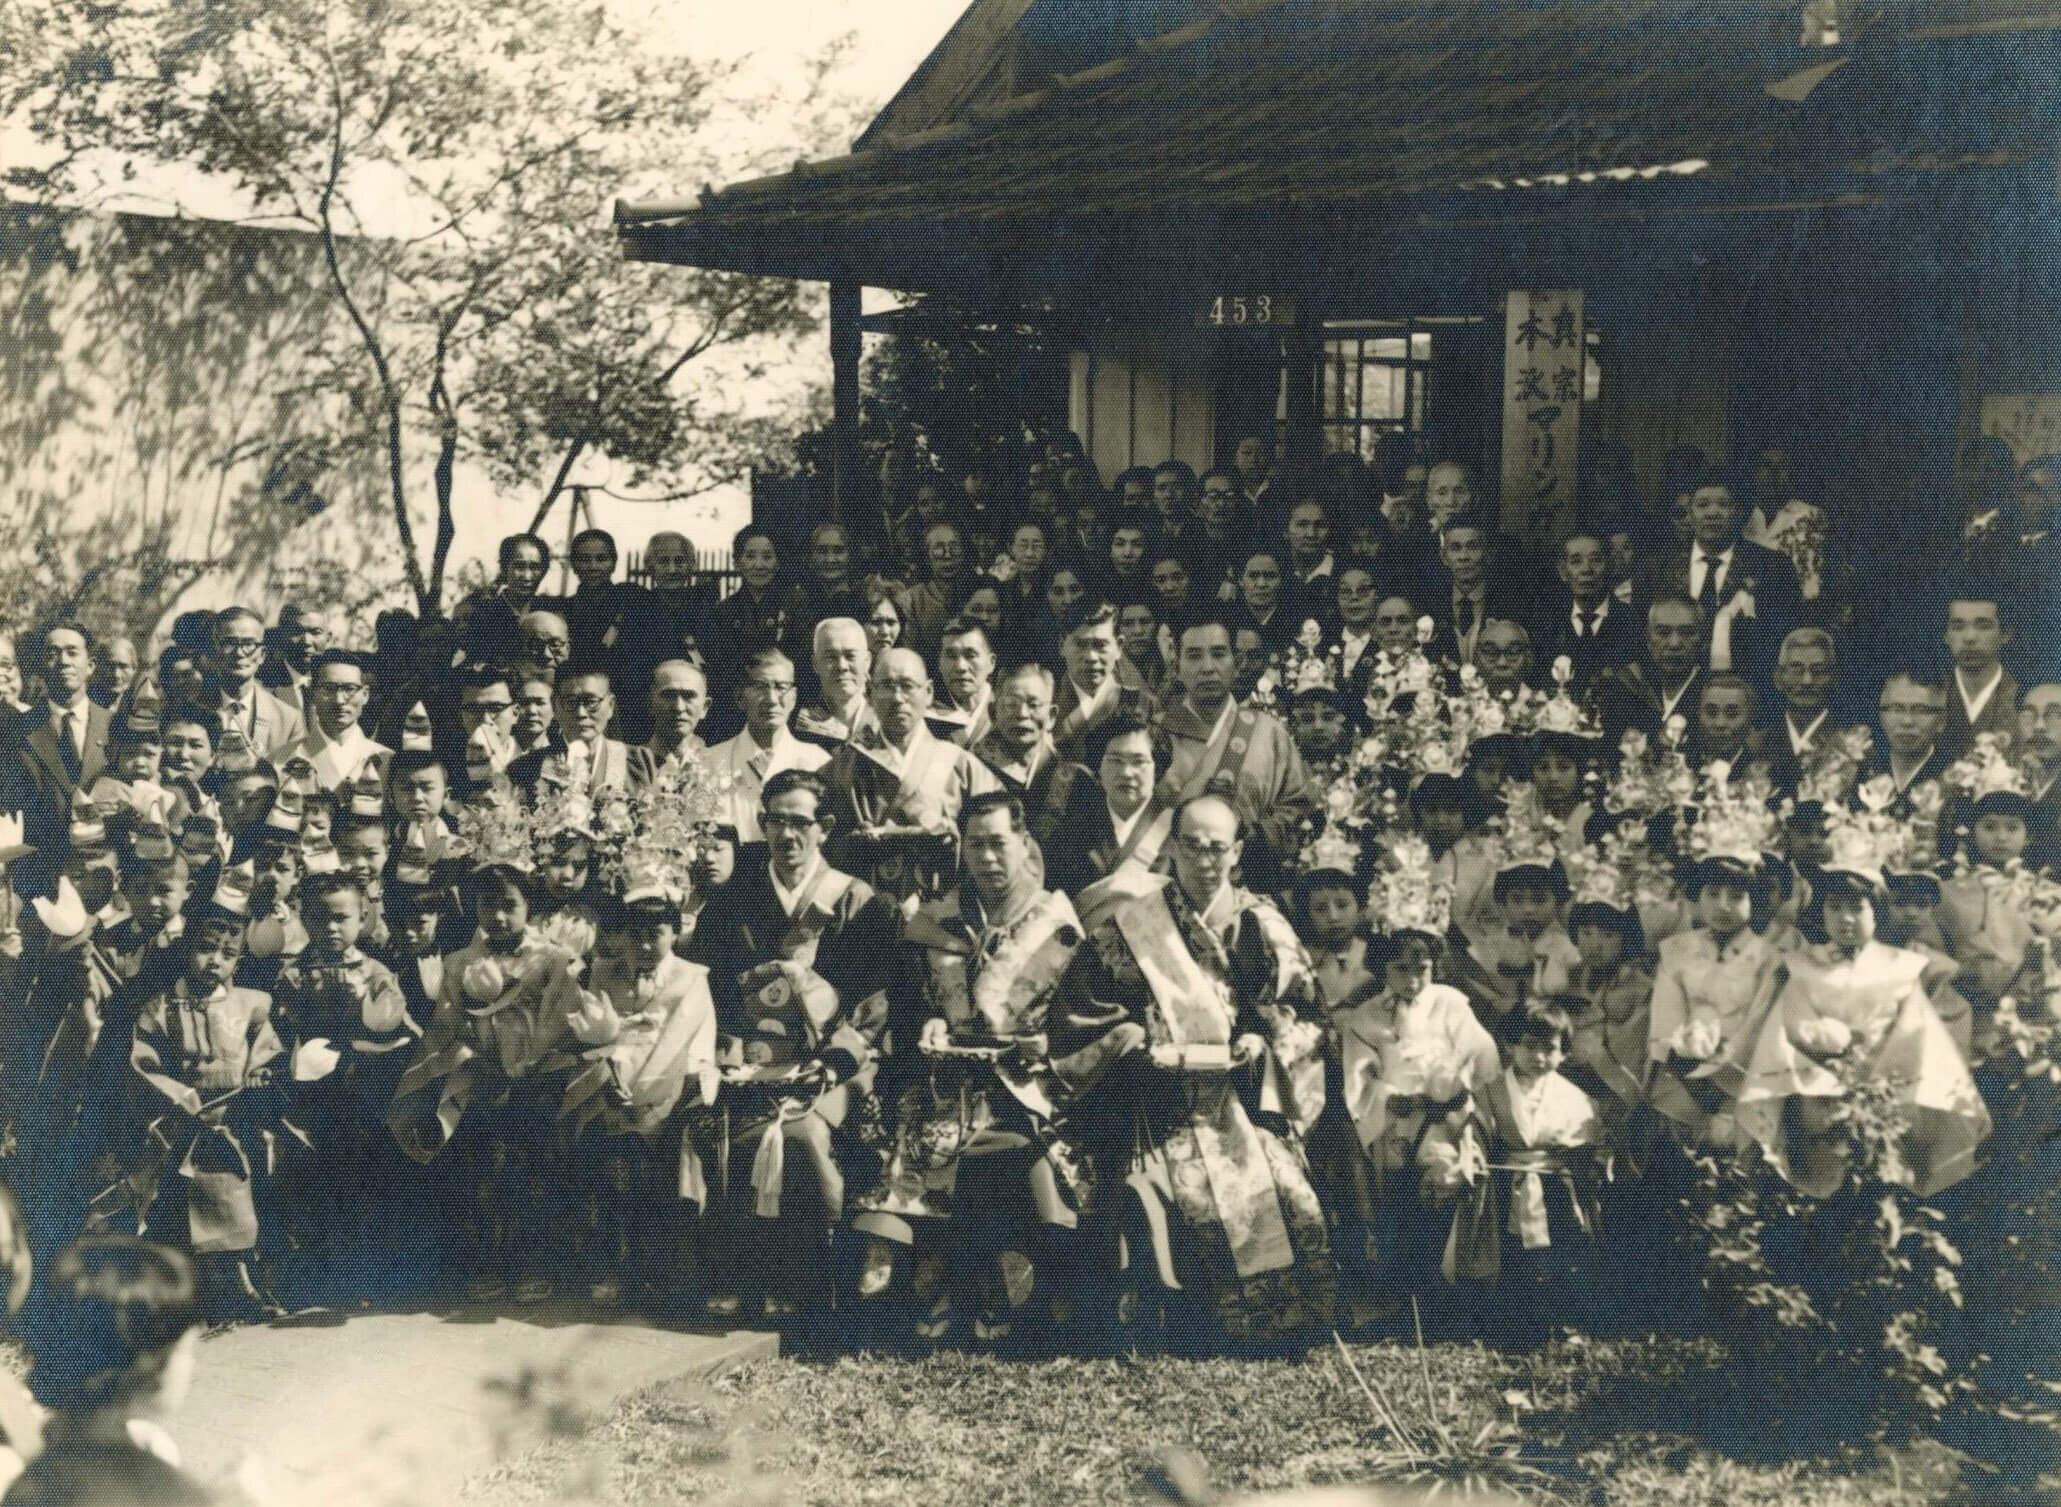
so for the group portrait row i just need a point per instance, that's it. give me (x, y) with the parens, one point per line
(1043, 905)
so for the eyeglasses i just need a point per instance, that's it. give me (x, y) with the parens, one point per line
(771, 687)
(586, 703)
(785, 821)
(901, 688)
(1197, 848)
(240, 645)
(341, 690)
(1912, 709)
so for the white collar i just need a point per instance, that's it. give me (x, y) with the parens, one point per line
(746, 746)
(1578, 614)
(1322, 568)
(1103, 693)
(1123, 826)
(1905, 782)
(1977, 702)
(82, 705)
(1803, 735)
(1723, 556)
(790, 898)
(1218, 913)
(1223, 717)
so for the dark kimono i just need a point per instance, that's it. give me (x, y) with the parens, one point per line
(209, 1113)
(1216, 1181)
(801, 1013)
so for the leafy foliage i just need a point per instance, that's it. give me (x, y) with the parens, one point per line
(449, 158)
(1855, 1295)
(957, 391)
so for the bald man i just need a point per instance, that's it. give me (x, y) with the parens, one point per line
(1247, 1000)
(897, 788)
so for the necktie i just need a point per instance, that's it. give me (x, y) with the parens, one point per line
(759, 763)
(1708, 596)
(1588, 625)
(68, 743)
(1463, 616)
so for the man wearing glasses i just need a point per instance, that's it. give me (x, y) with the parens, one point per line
(899, 788)
(797, 953)
(1220, 1022)
(266, 723)
(767, 745)
(580, 748)
(336, 745)
(1911, 713)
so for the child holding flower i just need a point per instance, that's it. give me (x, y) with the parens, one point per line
(1850, 1009)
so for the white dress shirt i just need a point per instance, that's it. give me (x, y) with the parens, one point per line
(748, 767)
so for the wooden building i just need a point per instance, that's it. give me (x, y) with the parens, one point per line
(1529, 231)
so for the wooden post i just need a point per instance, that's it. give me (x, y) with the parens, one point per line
(1303, 356)
(844, 397)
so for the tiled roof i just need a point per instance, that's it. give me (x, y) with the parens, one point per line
(1330, 108)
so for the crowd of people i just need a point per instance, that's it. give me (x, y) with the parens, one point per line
(1245, 901)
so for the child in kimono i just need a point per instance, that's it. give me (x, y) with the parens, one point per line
(648, 1029)
(1521, 1166)
(565, 912)
(490, 1074)
(1852, 1007)
(275, 935)
(1910, 920)
(207, 1104)
(1410, 1058)
(1329, 921)
(1608, 997)
(347, 1032)
(1448, 813)
(1713, 987)
(1528, 956)
(1982, 915)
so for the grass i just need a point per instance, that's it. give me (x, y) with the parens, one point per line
(1602, 1422)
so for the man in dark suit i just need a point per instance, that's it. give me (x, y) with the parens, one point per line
(1749, 595)
(1583, 620)
(63, 744)
(1469, 590)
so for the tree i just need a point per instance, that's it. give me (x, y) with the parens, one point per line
(450, 159)
(957, 390)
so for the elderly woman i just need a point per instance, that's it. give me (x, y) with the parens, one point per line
(1852, 1010)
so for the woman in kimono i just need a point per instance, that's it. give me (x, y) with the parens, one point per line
(1852, 1008)
(1225, 1078)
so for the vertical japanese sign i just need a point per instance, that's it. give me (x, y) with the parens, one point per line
(1543, 349)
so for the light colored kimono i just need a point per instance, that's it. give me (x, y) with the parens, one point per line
(1878, 996)
(1985, 934)
(1248, 758)
(662, 1047)
(1731, 985)
(905, 794)
(1406, 1062)
(477, 1044)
